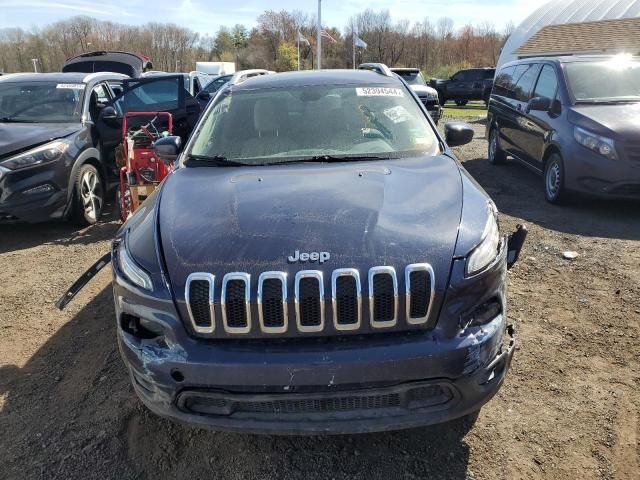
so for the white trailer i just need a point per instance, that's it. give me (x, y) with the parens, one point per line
(216, 68)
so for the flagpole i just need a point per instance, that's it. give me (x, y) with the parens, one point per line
(353, 47)
(318, 39)
(298, 50)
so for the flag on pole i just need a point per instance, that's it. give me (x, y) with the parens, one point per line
(358, 42)
(301, 39)
(325, 34)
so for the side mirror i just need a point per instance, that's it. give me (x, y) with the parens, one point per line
(167, 149)
(109, 115)
(204, 96)
(457, 133)
(539, 104)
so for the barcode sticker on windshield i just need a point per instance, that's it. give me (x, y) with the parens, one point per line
(378, 92)
(72, 86)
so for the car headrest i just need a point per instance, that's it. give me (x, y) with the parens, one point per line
(264, 116)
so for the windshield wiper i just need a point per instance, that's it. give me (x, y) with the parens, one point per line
(215, 160)
(337, 158)
(14, 120)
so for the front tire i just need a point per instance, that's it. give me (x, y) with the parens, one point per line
(88, 196)
(496, 155)
(555, 191)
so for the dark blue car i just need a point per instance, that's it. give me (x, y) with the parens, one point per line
(574, 120)
(317, 262)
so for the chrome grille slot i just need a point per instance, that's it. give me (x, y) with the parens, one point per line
(234, 302)
(419, 282)
(383, 297)
(199, 290)
(309, 301)
(272, 302)
(346, 299)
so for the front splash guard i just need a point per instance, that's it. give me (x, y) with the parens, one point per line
(82, 281)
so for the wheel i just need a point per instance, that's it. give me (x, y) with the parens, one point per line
(496, 155)
(442, 98)
(486, 98)
(461, 103)
(554, 189)
(88, 195)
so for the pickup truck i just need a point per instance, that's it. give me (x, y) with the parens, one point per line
(466, 85)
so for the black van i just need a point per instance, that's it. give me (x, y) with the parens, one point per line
(575, 120)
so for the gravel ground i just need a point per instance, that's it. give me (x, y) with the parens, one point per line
(569, 408)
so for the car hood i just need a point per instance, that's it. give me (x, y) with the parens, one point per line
(17, 137)
(423, 89)
(621, 122)
(365, 214)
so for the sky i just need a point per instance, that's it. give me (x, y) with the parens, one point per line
(206, 16)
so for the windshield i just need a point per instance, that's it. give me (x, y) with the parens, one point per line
(412, 78)
(615, 80)
(314, 123)
(214, 86)
(41, 102)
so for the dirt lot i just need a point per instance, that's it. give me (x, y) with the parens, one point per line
(569, 409)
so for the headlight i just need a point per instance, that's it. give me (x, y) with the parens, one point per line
(602, 145)
(487, 250)
(49, 152)
(129, 268)
(431, 95)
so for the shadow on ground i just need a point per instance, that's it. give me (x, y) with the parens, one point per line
(70, 412)
(518, 192)
(19, 236)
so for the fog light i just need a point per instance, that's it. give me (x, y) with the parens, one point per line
(39, 189)
(482, 314)
(139, 327)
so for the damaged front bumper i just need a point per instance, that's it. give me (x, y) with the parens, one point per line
(354, 385)
(309, 386)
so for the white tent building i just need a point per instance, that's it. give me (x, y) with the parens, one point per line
(558, 12)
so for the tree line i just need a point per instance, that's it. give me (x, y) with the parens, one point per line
(437, 47)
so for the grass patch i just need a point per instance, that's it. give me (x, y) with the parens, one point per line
(470, 110)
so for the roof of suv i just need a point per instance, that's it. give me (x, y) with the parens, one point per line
(318, 77)
(46, 77)
(60, 77)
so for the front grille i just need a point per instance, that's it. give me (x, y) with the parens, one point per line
(383, 296)
(199, 292)
(236, 315)
(309, 301)
(346, 299)
(317, 406)
(430, 104)
(272, 302)
(419, 287)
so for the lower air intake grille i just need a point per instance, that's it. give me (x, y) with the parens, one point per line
(199, 302)
(235, 306)
(420, 293)
(317, 407)
(346, 300)
(310, 302)
(272, 306)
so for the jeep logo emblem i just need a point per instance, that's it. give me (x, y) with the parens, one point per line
(309, 257)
